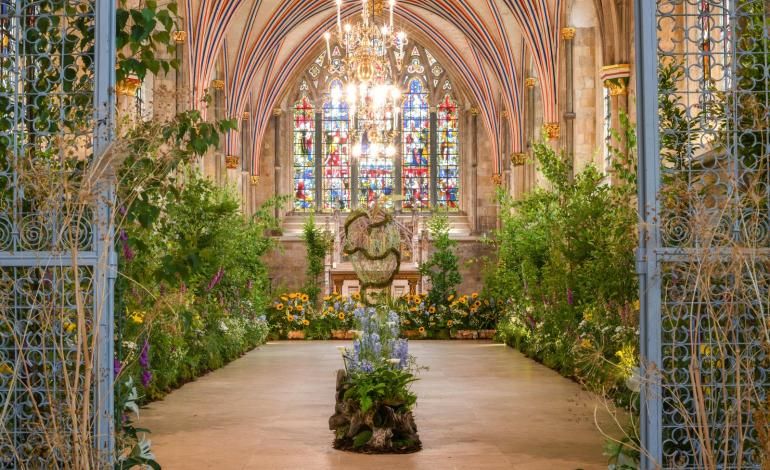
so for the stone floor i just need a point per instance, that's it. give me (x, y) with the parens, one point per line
(481, 406)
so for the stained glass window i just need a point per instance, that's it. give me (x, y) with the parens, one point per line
(336, 159)
(304, 155)
(448, 165)
(376, 175)
(416, 148)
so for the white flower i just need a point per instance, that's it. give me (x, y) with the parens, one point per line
(394, 361)
(222, 326)
(130, 345)
(634, 382)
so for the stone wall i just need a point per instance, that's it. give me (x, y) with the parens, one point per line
(287, 264)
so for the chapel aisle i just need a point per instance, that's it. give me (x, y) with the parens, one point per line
(480, 406)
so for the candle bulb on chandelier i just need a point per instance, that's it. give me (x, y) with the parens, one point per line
(392, 6)
(327, 36)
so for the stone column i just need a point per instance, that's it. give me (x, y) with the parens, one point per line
(278, 170)
(529, 172)
(181, 99)
(474, 170)
(615, 78)
(568, 34)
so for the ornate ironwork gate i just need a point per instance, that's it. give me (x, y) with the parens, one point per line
(704, 102)
(57, 264)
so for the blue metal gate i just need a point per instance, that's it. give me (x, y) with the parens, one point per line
(57, 265)
(704, 114)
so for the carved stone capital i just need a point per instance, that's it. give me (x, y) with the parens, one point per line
(128, 86)
(519, 159)
(497, 179)
(180, 37)
(552, 130)
(530, 82)
(218, 84)
(232, 161)
(568, 33)
(254, 180)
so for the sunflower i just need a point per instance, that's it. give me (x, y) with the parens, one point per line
(306, 322)
(341, 315)
(300, 308)
(279, 307)
(305, 297)
(289, 308)
(327, 298)
(477, 304)
(450, 298)
(289, 317)
(356, 295)
(449, 324)
(284, 298)
(421, 329)
(407, 322)
(432, 309)
(330, 308)
(475, 295)
(293, 295)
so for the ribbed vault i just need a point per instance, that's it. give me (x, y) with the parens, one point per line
(258, 47)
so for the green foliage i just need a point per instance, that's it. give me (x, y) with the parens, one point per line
(144, 37)
(317, 243)
(442, 267)
(384, 384)
(566, 266)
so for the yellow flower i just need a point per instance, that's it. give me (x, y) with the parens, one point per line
(69, 327)
(449, 323)
(331, 308)
(300, 308)
(464, 299)
(289, 317)
(486, 302)
(305, 298)
(284, 298)
(431, 309)
(626, 359)
(279, 307)
(289, 308)
(5, 369)
(477, 304)
(341, 315)
(407, 322)
(475, 295)
(306, 322)
(588, 315)
(473, 310)
(450, 298)
(421, 329)
(327, 298)
(292, 295)
(586, 343)
(413, 309)
(637, 305)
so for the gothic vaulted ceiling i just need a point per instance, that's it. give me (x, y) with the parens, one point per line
(258, 47)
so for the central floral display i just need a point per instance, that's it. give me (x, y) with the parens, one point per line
(372, 240)
(374, 401)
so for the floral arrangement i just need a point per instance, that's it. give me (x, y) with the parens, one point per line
(374, 398)
(290, 312)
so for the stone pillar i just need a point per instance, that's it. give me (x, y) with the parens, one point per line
(182, 99)
(568, 34)
(615, 78)
(530, 169)
(474, 170)
(278, 173)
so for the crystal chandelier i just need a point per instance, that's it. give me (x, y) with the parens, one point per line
(373, 99)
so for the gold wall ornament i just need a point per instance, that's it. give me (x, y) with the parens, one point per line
(277, 112)
(232, 161)
(254, 180)
(615, 78)
(245, 116)
(552, 130)
(530, 82)
(218, 84)
(568, 33)
(617, 86)
(180, 37)
(474, 111)
(497, 179)
(519, 158)
(128, 86)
